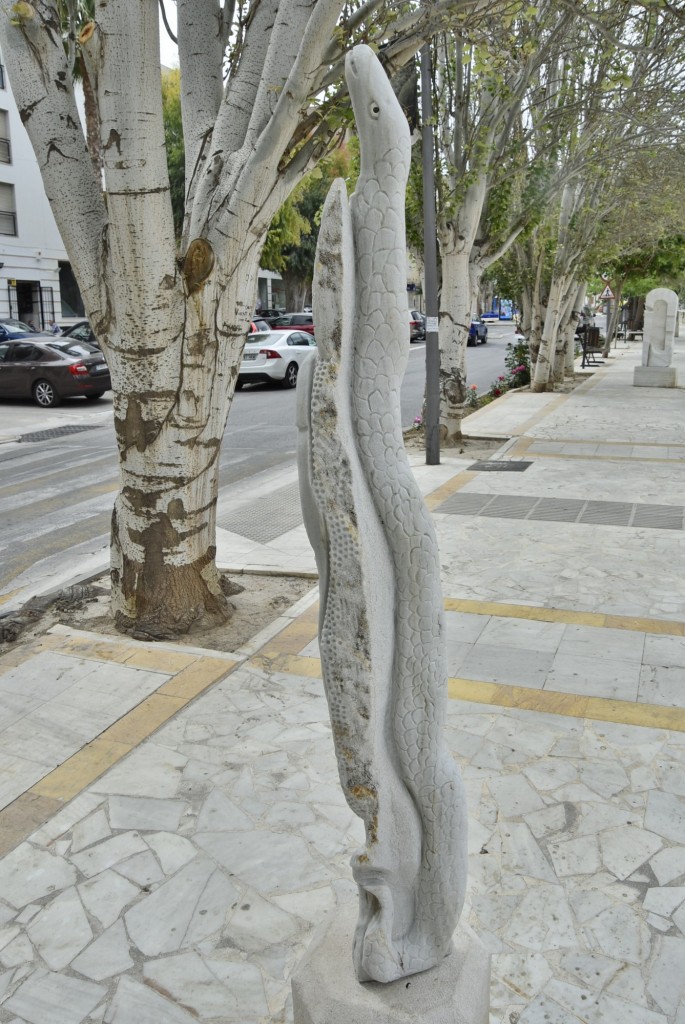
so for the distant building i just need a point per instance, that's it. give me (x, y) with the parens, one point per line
(36, 279)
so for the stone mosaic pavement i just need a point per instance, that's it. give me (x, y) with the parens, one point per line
(176, 845)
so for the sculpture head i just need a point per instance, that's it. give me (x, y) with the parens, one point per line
(379, 116)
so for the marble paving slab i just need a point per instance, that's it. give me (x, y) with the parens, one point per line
(184, 885)
(53, 704)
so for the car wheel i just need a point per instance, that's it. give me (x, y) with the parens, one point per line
(290, 379)
(44, 394)
(485, 337)
(95, 395)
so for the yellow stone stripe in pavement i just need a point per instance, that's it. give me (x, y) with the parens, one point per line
(571, 705)
(502, 695)
(88, 764)
(637, 624)
(293, 664)
(33, 808)
(449, 488)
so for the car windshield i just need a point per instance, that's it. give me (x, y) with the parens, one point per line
(259, 337)
(17, 327)
(75, 348)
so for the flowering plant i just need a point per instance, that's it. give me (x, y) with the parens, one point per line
(517, 362)
(472, 396)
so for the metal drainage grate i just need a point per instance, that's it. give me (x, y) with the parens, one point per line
(268, 517)
(565, 510)
(557, 510)
(509, 506)
(659, 517)
(607, 513)
(45, 435)
(503, 466)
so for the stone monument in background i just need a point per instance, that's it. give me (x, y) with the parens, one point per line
(661, 318)
(381, 628)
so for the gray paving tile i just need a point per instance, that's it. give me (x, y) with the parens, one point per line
(613, 644)
(45, 675)
(14, 706)
(591, 676)
(667, 651)
(456, 653)
(662, 685)
(523, 633)
(514, 666)
(463, 627)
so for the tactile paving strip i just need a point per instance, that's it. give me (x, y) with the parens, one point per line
(267, 518)
(565, 510)
(45, 435)
(499, 466)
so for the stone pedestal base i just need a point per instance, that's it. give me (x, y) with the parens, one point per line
(326, 990)
(655, 377)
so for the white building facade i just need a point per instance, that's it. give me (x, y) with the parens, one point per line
(36, 280)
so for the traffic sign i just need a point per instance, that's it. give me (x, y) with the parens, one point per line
(607, 293)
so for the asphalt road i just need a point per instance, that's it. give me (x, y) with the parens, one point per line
(56, 495)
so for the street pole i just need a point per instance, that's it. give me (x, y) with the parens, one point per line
(430, 261)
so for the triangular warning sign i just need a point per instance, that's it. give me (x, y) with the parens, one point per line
(607, 293)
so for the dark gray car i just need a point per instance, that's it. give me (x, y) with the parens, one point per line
(50, 369)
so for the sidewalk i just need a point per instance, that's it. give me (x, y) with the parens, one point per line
(169, 848)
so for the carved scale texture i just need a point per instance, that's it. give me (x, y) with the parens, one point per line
(419, 669)
(381, 628)
(356, 629)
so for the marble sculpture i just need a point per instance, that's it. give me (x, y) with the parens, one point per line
(381, 622)
(661, 314)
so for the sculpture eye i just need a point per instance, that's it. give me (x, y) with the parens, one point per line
(374, 109)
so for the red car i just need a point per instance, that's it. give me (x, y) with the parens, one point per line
(294, 321)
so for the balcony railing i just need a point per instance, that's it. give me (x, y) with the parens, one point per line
(8, 223)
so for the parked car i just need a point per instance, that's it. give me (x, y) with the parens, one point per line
(82, 331)
(18, 329)
(259, 325)
(289, 321)
(49, 369)
(417, 325)
(416, 331)
(275, 356)
(478, 331)
(268, 314)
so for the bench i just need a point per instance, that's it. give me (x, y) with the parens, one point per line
(592, 349)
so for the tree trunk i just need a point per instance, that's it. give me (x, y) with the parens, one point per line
(455, 321)
(575, 317)
(297, 290)
(457, 304)
(557, 295)
(545, 362)
(562, 341)
(537, 312)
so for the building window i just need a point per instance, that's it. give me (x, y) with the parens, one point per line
(2, 77)
(72, 303)
(8, 210)
(5, 150)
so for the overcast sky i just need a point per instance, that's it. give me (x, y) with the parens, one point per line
(167, 50)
